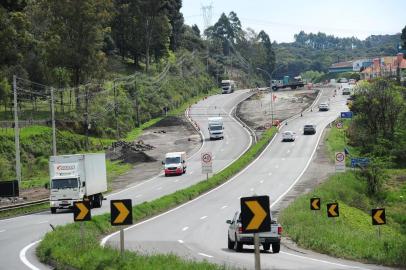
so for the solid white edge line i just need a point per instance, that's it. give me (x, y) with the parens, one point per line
(205, 255)
(323, 261)
(23, 256)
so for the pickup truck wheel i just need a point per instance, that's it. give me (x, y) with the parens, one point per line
(53, 210)
(266, 246)
(230, 244)
(276, 247)
(237, 246)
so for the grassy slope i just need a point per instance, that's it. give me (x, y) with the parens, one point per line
(62, 247)
(351, 235)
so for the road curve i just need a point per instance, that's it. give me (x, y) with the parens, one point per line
(198, 229)
(17, 235)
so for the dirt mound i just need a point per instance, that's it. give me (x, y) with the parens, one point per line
(130, 152)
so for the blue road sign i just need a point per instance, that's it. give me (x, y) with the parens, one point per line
(346, 114)
(359, 162)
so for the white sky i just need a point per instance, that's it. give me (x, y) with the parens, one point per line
(282, 19)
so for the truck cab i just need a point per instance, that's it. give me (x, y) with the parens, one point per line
(175, 163)
(227, 86)
(216, 128)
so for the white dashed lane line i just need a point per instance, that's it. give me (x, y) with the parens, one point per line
(2, 231)
(42, 222)
(224, 206)
(203, 217)
(205, 255)
(270, 174)
(185, 228)
(180, 241)
(261, 182)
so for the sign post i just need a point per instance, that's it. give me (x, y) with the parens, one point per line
(121, 214)
(339, 158)
(255, 218)
(207, 163)
(81, 212)
(378, 218)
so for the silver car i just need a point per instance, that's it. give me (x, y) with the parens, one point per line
(236, 239)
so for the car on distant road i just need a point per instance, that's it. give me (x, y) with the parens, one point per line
(323, 106)
(288, 136)
(346, 91)
(309, 129)
(236, 238)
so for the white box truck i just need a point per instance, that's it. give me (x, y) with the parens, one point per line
(216, 127)
(76, 178)
(175, 163)
(227, 86)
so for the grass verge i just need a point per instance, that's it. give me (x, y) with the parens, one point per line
(352, 234)
(24, 210)
(63, 247)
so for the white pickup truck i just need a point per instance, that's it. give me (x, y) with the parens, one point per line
(236, 239)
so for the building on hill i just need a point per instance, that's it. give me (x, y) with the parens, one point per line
(346, 66)
(385, 67)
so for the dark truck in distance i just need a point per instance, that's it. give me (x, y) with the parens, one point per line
(236, 239)
(309, 129)
(287, 82)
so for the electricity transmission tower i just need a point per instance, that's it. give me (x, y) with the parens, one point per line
(207, 12)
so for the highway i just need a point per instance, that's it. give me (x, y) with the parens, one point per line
(198, 228)
(19, 236)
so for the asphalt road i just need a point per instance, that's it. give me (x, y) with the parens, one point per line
(16, 234)
(198, 230)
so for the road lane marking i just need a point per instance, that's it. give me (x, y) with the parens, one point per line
(23, 257)
(270, 174)
(283, 159)
(205, 255)
(176, 180)
(252, 189)
(185, 228)
(180, 241)
(276, 166)
(261, 182)
(2, 231)
(224, 206)
(322, 261)
(288, 151)
(203, 217)
(42, 222)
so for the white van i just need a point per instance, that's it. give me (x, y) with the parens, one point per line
(175, 163)
(216, 127)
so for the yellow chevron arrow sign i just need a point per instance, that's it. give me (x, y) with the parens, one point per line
(121, 212)
(81, 211)
(259, 215)
(378, 216)
(255, 214)
(315, 203)
(332, 210)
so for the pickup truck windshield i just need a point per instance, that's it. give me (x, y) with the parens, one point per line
(65, 183)
(171, 160)
(216, 127)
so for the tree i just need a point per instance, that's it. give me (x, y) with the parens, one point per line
(176, 20)
(5, 92)
(270, 54)
(74, 36)
(403, 38)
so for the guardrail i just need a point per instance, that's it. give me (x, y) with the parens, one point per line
(22, 205)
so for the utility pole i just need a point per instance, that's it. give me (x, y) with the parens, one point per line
(53, 122)
(16, 133)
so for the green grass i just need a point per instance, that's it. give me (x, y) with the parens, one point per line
(24, 210)
(351, 235)
(63, 248)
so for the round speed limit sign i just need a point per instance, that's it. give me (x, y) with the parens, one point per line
(339, 125)
(340, 157)
(206, 158)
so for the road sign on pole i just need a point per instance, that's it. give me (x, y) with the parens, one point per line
(346, 114)
(378, 216)
(315, 204)
(255, 218)
(121, 214)
(332, 210)
(362, 162)
(207, 162)
(340, 161)
(81, 211)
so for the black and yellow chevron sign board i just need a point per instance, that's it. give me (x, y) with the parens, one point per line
(315, 204)
(378, 216)
(81, 211)
(121, 212)
(332, 210)
(255, 214)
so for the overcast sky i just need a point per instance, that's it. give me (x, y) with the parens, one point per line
(281, 19)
